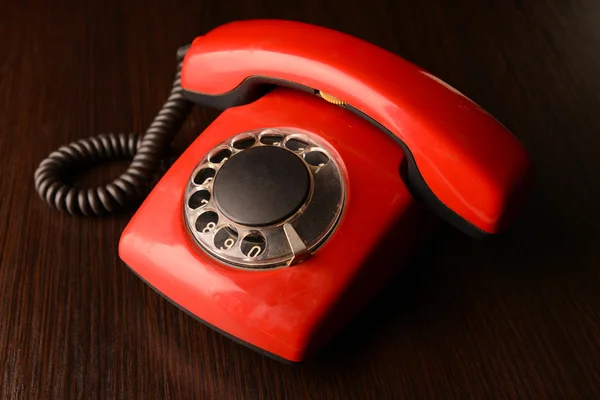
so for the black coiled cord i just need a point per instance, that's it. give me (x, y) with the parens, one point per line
(132, 185)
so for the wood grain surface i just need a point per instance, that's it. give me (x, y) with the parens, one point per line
(513, 318)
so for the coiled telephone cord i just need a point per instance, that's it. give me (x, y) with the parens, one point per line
(146, 152)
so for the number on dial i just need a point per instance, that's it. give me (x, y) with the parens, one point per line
(225, 238)
(206, 222)
(253, 245)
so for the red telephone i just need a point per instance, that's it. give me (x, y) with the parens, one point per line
(308, 192)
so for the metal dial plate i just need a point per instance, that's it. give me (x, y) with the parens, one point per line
(284, 243)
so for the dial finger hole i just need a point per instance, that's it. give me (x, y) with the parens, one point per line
(199, 199)
(295, 144)
(244, 143)
(316, 158)
(253, 245)
(271, 138)
(204, 176)
(206, 222)
(226, 238)
(219, 155)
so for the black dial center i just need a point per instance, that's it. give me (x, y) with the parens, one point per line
(261, 186)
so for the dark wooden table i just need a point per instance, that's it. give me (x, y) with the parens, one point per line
(513, 318)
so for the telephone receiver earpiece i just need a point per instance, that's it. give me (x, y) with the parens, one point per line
(462, 163)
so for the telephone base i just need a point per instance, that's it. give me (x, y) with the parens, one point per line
(287, 312)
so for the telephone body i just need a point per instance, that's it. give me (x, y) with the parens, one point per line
(331, 163)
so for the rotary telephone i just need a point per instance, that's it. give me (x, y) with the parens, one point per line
(307, 193)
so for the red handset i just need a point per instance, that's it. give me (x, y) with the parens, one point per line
(311, 189)
(461, 161)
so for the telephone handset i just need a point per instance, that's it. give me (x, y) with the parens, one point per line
(285, 216)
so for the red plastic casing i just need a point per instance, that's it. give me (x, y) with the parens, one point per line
(470, 162)
(288, 312)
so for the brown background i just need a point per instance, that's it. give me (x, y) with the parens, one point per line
(514, 318)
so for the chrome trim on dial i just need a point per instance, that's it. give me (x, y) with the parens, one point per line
(284, 243)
